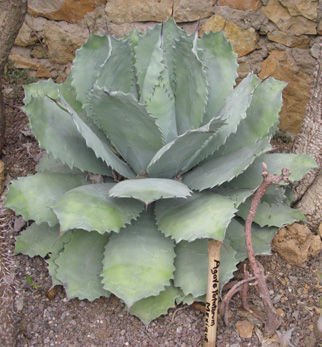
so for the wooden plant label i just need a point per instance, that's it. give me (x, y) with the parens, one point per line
(214, 248)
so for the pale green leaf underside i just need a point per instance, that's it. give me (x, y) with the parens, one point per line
(138, 261)
(86, 64)
(271, 214)
(33, 196)
(192, 266)
(129, 127)
(224, 168)
(261, 237)
(80, 264)
(150, 189)
(216, 53)
(57, 133)
(154, 306)
(48, 163)
(90, 208)
(298, 164)
(203, 215)
(40, 240)
(191, 91)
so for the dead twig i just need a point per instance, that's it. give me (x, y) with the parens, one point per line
(224, 307)
(272, 321)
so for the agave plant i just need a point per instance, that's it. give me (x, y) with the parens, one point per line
(151, 151)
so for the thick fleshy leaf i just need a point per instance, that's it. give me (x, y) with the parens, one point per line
(86, 64)
(275, 195)
(223, 168)
(57, 133)
(190, 299)
(203, 215)
(52, 269)
(190, 102)
(132, 131)
(232, 113)
(138, 261)
(192, 266)
(228, 263)
(216, 53)
(156, 92)
(235, 108)
(271, 214)
(68, 92)
(48, 163)
(298, 164)
(153, 72)
(133, 40)
(143, 53)
(80, 264)
(161, 105)
(33, 196)
(43, 88)
(117, 73)
(40, 240)
(43, 240)
(90, 208)
(261, 238)
(154, 306)
(179, 153)
(100, 145)
(171, 33)
(262, 116)
(237, 195)
(150, 189)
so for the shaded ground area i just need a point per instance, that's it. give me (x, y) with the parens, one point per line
(46, 318)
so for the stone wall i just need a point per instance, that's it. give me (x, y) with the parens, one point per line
(272, 37)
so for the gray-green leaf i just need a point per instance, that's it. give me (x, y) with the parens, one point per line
(190, 102)
(138, 261)
(223, 168)
(154, 306)
(40, 240)
(57, 133)
(271, 214)
(90, 208)
(216, 53)
(203, 215)
(132, 131)
(86, 64)
(33, 196)
(150, 189)
(80, 264)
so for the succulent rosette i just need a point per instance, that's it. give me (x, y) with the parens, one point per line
(177, 148)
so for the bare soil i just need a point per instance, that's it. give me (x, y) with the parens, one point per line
(46, 318)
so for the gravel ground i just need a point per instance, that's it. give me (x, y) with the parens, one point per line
(46, 318)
